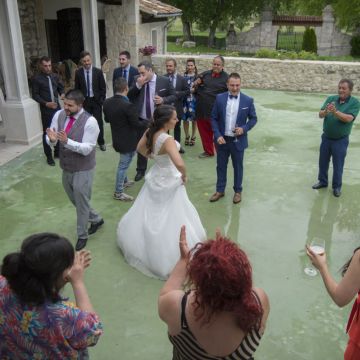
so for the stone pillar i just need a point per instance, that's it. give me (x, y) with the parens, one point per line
(122, 30)
(20, 113)
(90, 26)
(268, 32)
(325, 34)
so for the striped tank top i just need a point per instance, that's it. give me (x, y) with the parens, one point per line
(186, 347)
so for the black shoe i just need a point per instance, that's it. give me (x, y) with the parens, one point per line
(319, 185)
(139, 175)
(50, 161)
(94, 227)
(81, 243)
(102, 147)
(337, 192)
(182, 151)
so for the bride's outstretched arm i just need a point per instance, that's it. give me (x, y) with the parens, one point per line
(141, 146)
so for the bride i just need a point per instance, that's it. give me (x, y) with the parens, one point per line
(148, 232)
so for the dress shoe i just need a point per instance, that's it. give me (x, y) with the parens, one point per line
(216, 196)
(50, 161)
(237, 198)
(139, 175)
(102, 147)
(81, 243)
(94, 227)
(182, 151)
(337, 192)
(205, 155)
(319, 185)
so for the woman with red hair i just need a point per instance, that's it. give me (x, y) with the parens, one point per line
(222, 316)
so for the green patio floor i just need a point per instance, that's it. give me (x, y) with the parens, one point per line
(278, 215)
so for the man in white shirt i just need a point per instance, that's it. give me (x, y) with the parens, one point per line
(233, 115)
(77, 132)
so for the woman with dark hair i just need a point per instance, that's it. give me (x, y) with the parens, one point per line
(190, 102)
(146, 231)
(342, 294)
(221, 316)
(35, 322)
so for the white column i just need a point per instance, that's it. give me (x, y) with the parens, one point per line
(20, 113)
(90, 26)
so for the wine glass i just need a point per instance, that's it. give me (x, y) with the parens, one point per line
(317, 245)
(235, 136)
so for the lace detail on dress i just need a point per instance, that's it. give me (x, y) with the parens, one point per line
(159, 142)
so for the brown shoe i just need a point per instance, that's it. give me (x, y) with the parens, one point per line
(237, 198)
(216, 196)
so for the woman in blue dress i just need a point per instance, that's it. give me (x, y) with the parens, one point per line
(190, 103)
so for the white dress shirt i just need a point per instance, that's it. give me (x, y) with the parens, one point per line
(89, 86)
(91, 133)
(232, 108)
(152, 85)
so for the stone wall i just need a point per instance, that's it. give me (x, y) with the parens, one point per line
(122, 30)
(293, 75)
(330, 40)
(145, 35)
(32, 28)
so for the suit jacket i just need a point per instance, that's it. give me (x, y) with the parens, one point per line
(182, 90)
(124, 121)
(246, 117)
(98, 84)
(162, 87)
(133, 71)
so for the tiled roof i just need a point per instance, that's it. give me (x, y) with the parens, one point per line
(158, 9)
(297, 20)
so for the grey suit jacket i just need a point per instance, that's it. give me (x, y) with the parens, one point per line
(163, 88)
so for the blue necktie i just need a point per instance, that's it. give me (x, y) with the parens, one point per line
(124, 74)
(88, 83)
(233, 96)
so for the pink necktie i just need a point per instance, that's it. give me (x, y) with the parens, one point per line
(70, 124)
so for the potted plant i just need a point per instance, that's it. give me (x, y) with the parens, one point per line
(147, 51)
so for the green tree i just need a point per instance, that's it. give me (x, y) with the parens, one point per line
(188, 15)
(309, 41)
(211, 13)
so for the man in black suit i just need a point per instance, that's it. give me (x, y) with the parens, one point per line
(46, 88)
(124, 121)
(90, 81)
(182, 90)
(125, 70)
(148, 91)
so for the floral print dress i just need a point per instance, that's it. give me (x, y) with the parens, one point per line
(50, 331)
(189, 102)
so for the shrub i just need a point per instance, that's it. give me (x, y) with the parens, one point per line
(355, 45)
(267, 53)
(309, 41)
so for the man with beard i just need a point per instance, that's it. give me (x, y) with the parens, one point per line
(77, 131)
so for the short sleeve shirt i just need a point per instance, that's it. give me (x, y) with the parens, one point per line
(50, 331)
(332, 126)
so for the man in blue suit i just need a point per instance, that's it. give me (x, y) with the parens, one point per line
(233, 115)
(125, 70)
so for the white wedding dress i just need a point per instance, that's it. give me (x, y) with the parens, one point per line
(148, 234)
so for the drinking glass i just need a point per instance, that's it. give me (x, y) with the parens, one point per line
(235, 136)
(317, 245)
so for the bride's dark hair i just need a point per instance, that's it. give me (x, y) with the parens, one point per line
(162, 115)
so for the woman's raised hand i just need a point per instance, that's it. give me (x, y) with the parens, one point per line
(81, 262)
(184, 248)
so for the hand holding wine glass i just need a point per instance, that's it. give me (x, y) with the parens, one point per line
(316, 254)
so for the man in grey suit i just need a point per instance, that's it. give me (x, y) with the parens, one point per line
(148, 91)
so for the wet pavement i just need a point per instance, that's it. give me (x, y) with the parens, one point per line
(278, 215)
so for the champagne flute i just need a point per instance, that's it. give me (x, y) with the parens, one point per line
(317, 245)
